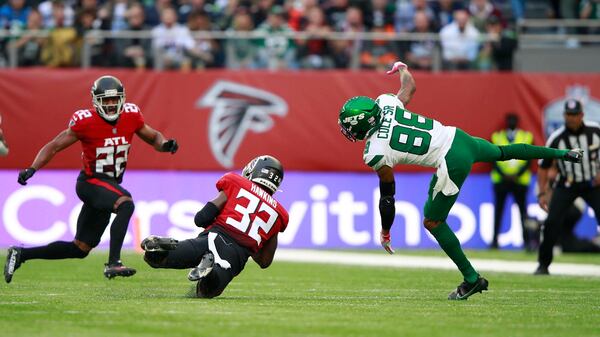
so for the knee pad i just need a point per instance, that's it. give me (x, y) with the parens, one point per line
(78, 253)
(126, 207)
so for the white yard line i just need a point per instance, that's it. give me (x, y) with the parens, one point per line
(407, 261)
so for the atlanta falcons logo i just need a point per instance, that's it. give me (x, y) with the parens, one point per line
(237, 108)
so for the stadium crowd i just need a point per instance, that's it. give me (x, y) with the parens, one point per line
(475, 34)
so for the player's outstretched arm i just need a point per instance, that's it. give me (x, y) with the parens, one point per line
(408, 87)
(264, 257)
(157, 140)
(47, 152)
(387, 205)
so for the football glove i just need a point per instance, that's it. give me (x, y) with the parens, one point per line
(386, 242)
(170, 146)
(25, 174)
(397, 67)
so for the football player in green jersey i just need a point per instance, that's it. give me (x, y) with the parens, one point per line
(395, 135)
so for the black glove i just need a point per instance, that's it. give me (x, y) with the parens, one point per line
(170, 146)
(25, 174)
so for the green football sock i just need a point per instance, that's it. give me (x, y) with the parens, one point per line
(451, 246)
(526, 152)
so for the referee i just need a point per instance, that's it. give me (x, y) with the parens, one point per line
(573, 180)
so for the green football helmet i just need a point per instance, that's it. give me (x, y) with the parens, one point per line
(359, 117)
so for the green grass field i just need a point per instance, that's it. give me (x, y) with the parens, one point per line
(72, 298)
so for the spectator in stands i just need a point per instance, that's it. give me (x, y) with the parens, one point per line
(590, 10)
(222, 16)
(298, 13)
(381, 14)
(14, 14)
(205, 52)
(134, 53)
(29, 46)
(241, 53)
(405, 13)
(187, 7)
(84, 22)
(460, 42)
(379, 54)
(335, 11)
(497, 54)
(60, 47)
(47, 9)
(314, 53)
(481, 11)
(87, 4)
(171, 41)
(275, 51)
(260, 10)
(340, 53)
(354, 24)
(113, 15)
(420, 54)
(153, 13)
(443, 11)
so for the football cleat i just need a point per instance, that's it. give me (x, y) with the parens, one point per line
(13, 262)
(155, 243)
(204, 267)
(466, 289)
(117, 269)
(574, 155)
(541, 270)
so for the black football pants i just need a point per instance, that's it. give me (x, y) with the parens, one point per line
(189, 253)
(562, 200)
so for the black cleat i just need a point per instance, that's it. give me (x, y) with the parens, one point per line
(574, 155)
(155, 243)
(13, 262)
(117, 269)
(204, 267)
(541, 270)
(465, 289)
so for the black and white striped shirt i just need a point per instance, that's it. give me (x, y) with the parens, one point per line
(587, 139)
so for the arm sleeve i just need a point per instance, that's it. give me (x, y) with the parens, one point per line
(206, 215)
(387, 204)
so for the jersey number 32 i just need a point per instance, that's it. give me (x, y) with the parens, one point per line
(255, 207)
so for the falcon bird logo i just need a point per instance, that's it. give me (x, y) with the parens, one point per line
(237, 108)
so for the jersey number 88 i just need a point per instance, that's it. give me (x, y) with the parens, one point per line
(411, 135)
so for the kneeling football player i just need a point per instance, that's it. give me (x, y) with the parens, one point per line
(242, 221)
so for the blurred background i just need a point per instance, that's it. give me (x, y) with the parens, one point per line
(231, 80)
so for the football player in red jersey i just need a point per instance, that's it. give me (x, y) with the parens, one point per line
(105, 132)
(243, 220)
